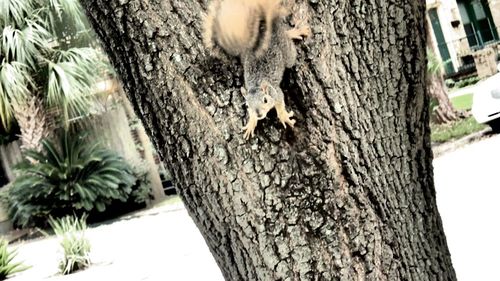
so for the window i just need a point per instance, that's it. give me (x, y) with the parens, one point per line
(476, 17)
(469, 28)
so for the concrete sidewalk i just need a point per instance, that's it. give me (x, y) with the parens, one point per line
(162, 243)
(468, 90)
(467, 187)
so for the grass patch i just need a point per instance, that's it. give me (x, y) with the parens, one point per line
(447, 132)
(463, 102)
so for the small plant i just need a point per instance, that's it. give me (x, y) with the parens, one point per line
(71, 177)
(76, 247)
(7, 266)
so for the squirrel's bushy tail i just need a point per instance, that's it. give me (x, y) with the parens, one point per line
(240, 26)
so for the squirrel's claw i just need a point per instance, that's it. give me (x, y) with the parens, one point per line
(249, 128)
(248, 132)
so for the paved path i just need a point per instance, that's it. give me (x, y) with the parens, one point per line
(469, 89)
(463, 91)
(468, 197)
(164, 244)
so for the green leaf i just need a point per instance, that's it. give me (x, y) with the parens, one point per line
(7, 267)
(14, 12)
(66, 11)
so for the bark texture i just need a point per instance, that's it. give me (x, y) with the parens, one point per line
(348, 194)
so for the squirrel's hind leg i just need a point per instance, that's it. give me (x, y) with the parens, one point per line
(295, 33)
(209, 23)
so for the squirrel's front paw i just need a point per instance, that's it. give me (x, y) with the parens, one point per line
(249, 129)
(284, 117)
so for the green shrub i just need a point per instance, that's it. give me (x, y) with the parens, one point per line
(7, 266)
(76, 247)
(69, 178)
(467, 82)
(449, 83)
(4, 196)
(142, 191)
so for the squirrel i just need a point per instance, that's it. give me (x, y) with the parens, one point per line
(255, 31)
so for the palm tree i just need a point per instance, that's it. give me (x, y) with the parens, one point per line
(46, 72)
(444, 111)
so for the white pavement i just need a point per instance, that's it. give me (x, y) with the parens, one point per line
(463, 91)
(162, 244)
(468, 194)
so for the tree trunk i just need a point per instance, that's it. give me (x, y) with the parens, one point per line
(348, 194)
(32, 119)
(444, 112)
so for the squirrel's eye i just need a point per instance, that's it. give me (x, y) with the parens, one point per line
(264, 100)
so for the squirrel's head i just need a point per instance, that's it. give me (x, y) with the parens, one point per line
(260, 99)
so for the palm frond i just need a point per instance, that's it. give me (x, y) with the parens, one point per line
(24, 45)
(434, 64)
(14, 88)
(14, 12)
(69, 88)
(89, 58)
(68, 12)
(72, 76)
(14, 47)
(37, 33)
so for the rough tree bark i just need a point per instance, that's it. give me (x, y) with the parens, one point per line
(348, 194)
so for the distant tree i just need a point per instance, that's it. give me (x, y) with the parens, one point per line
(47, 70)
(443, 110)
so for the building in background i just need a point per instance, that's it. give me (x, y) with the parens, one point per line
(465, 34)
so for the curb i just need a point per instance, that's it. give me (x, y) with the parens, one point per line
(440, 149)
